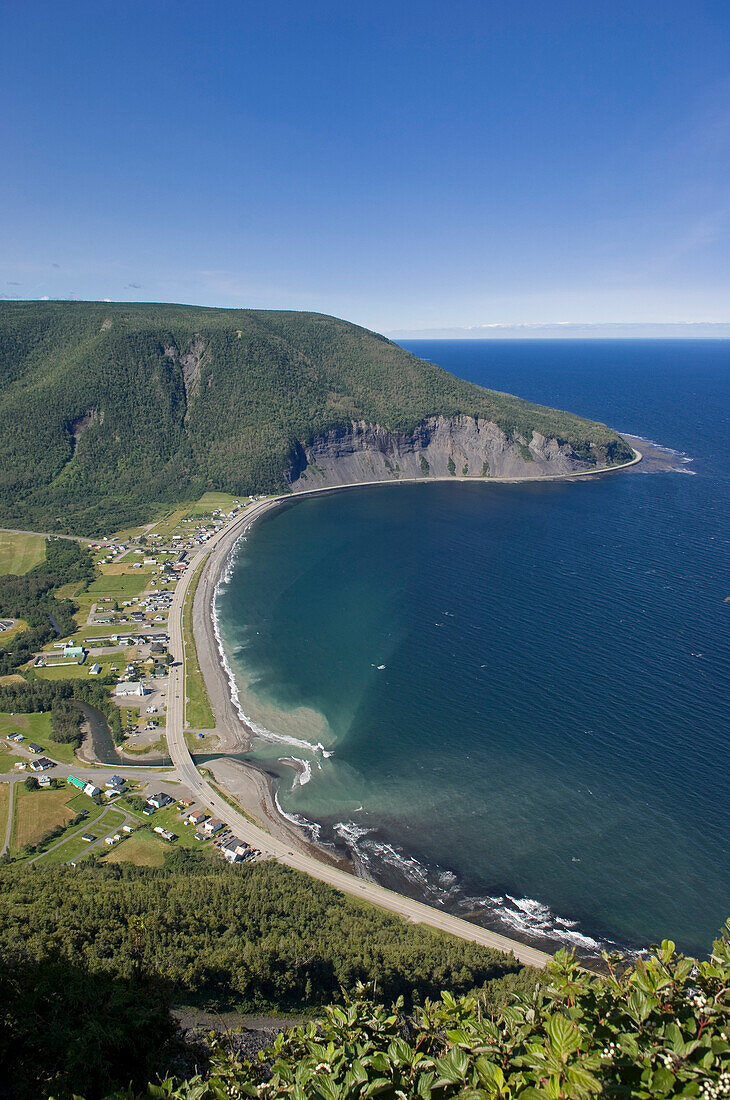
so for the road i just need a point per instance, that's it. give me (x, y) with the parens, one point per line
(47, 534)
(280, 850)
(9, 826)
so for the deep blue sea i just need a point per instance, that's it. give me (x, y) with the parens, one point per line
(513, 700)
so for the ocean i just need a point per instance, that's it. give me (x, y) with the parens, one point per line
(512, 700)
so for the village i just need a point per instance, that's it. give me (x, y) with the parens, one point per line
(60, 805)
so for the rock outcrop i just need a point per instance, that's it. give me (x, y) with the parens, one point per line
(461, 446)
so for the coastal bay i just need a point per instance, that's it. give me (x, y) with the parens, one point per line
(277, 676)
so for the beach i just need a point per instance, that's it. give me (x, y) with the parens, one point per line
(251, 786)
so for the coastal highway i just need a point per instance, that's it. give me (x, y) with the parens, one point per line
(216, 551)
(241, 826)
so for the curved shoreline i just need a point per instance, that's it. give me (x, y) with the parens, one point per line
(254, 789)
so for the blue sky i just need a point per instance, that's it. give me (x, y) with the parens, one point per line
(406, 165)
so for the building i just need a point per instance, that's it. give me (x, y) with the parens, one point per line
(115, 781)
(74, 653)
(42, 764)
(159, 800)
(32, 747)
(212, 826)
(94, 670)
(196, 818)
(234, 849)
(44, 781)
(75, 782)
(91, 790)
(132, 687)
(165, 833)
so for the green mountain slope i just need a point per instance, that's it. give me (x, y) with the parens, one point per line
(108, 408)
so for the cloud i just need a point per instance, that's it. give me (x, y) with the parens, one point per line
(45, 298)
(107, 299)
(133, 286)
(14, 284)
(55, 265)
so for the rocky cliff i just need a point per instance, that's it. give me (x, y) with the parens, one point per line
(459, 446)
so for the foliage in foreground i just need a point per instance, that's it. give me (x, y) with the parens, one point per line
(660, 1029)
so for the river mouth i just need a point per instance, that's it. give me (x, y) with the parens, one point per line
(99, 744)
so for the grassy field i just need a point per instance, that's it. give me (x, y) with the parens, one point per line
(198, 714)
(37, 727)
(8, 635)
(20, 552)
(36, 812)
(81, 672)
(12, 678)
(4, 803)
(143, 848)
(120, 586)
(72, 844)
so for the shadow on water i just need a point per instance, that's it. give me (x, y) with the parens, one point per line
(103, 748)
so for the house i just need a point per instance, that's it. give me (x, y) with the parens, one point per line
(108, 839)
(212, 826)
(88, 837)
(94, 670)
(196, 818)
(17, 737)
(113, 793)
(115, 781)
(159, 800)
(32, 747)
(44, 781)
(91, 790)
(165, 833)
(234, 849)
(78, 783)
(42, 764)
(127, 828)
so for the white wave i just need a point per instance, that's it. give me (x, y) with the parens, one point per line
(534, 918)
(437, 886)
(350, 831)
(259, 731)
(299, 820)
(302, 777)
(681, 455)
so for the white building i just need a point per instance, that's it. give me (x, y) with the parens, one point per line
(133, 687)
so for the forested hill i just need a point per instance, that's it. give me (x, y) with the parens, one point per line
(106, 409)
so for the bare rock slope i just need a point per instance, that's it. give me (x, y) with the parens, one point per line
(460, 446)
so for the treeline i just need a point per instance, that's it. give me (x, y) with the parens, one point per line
(57, 696)
(261, 937)
(107, 408)
(31, 597)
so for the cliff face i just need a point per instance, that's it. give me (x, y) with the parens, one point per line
(437, 447)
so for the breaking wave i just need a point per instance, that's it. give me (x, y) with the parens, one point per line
(312, 829)
(258, 730)
(524, 917)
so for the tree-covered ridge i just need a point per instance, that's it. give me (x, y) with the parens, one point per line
(106, 408)
(261, 937)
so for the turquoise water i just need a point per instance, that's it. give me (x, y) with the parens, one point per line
(545, 748)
